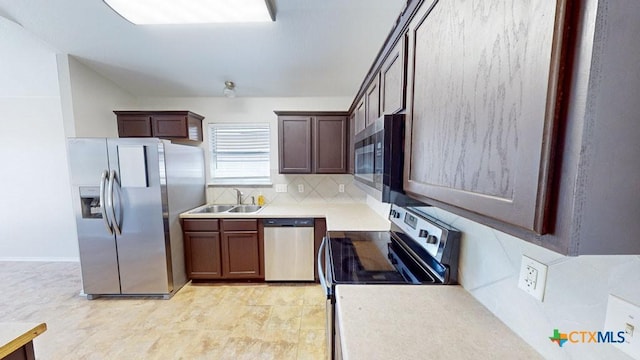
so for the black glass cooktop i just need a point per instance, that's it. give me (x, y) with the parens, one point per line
(363, 258)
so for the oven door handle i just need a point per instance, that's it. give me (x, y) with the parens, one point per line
(321, 274)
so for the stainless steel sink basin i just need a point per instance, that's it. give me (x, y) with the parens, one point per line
(245, 209)
(214, 209)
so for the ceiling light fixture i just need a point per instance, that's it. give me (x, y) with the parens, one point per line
(156, 12)
(229, 89)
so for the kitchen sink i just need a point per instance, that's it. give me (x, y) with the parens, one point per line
(245, 209)
(216, 209)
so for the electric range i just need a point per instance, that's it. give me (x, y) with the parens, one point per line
(418, 250)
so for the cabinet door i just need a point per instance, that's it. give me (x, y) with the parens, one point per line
(170, 126)
(392, 80)
(351, 143)
(330, 145)
(482, 107)
(373, 101)
(202, 255)
(294, 145)
(134, 125)
(361, 114)
(241, 255)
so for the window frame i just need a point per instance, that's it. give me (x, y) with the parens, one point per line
(246, 179)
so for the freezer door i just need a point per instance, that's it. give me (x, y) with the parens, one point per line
(139, 208)
(98, 257)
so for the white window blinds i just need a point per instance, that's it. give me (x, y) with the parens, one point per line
(239, 153)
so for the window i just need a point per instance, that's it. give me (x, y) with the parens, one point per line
(239, 153)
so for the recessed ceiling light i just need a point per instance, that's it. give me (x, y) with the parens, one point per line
(156, 12)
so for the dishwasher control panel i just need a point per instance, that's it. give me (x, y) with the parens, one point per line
(288, 222)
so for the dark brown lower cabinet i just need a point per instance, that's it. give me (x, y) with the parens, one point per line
(223, 249)
(241, 255)
(202, 251)
(24, 353)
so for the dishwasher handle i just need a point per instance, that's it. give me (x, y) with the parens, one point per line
(288, 222)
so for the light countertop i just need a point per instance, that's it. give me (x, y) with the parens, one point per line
(339, 217)
(418, 322)
(15, 335)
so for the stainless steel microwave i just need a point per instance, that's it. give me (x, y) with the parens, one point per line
(379, 157)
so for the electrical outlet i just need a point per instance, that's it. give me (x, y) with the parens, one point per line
(533, 277)
(341, 188)
(623, 316)
(281, 188)
(300, 187)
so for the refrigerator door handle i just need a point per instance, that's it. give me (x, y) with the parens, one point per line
(103, 199)
(116, 224)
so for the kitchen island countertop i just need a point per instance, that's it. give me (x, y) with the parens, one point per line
(340, 217)
(14, 335)
(417, 322)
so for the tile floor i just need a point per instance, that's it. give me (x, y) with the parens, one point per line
(202, 321)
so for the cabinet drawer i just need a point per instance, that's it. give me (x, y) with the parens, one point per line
(200, 225)
(239, 225)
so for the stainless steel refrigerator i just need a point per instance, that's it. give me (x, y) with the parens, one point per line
(127, 196)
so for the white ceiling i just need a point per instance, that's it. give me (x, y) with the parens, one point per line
(314, 48)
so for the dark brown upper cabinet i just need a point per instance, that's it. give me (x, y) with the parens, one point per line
(351, 161)
(294, 144)
(312, 142)
(393, 80)
(482, 107)
(330, 139)
(521, 119)
(360, 115)
(372, 101)
(173, 125)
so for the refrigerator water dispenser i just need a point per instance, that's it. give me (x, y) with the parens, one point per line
(90, 202)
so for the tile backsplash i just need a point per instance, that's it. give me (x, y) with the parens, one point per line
(316, 189)
(575, 296)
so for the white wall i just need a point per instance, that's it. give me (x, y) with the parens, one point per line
(94, 98)
(35, 200)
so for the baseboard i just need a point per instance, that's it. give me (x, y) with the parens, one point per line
(42, 259)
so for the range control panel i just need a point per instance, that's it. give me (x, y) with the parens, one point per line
(426, 232)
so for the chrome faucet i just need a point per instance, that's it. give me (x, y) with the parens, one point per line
(238, 196)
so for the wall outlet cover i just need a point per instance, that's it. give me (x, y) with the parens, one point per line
(300, 187)
(281, 188)
(623, 316)
(341, 188)
(533, 277)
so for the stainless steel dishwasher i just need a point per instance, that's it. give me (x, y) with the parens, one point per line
(288, 249)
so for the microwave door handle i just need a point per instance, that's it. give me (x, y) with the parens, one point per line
(112, 180)
(103, 199)
(321, 276)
